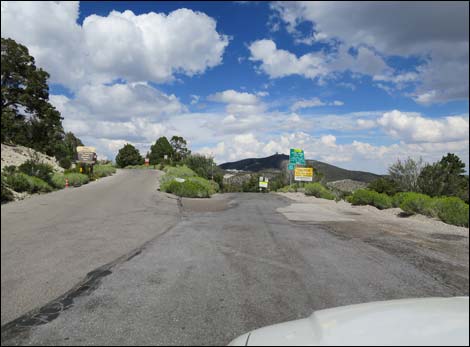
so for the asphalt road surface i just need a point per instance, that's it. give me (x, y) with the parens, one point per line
(50, 242)
(227, 266)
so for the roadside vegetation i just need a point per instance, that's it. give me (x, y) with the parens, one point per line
(183, 181)
(32, 177)
(438, 190)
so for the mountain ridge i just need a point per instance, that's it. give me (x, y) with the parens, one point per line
(278, 162)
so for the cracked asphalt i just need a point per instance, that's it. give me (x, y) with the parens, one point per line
(230, 265)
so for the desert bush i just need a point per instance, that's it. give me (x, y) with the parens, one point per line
(7, 195)
(370, 197)
(75, 179)
(318, 190)
(452, 210)
(40, 170)
(9, 170)
(398, 198)
(103, 170)
(384, 185)
(418, 203)
(193, 187)
(20, 182)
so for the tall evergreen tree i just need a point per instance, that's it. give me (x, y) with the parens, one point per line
(27, 116)
(158, 151)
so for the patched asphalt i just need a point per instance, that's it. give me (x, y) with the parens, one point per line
(231, 266)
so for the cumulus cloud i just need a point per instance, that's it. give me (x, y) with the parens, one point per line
(314, 102)
(419, 129)
(151, 46)
(318, 65)
(396, 29)
(233, 97)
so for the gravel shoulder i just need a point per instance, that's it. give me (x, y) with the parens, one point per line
(437, 248)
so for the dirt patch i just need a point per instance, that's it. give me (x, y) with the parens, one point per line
(447, 237)
(204, 205)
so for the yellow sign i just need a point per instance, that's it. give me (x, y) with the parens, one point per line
(303, 174)
(86, 149)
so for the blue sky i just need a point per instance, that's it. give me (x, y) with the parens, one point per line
(355, 85)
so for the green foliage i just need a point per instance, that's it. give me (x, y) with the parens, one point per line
(41, 170)
(27, 116)
(384, 185)
(7, 195)
(398, 198)
(75, 179)
(418, 203)
(318, 190)
(370, 197)
(193, 186)
(158, 151)
(405, 174)
(445, 177)
(180, 149)
(20, 182)
(204, 167)
(9, 170)
(128, 155)
(103, 170)
(452, 210)
(65, 162)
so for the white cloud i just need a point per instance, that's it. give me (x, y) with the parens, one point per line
(151, 46)
(419, 129)
(239, 102)
(233, 97)
(314, 102)
(318, 65)
(396, 29)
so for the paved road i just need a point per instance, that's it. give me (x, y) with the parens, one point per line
(216, 275)
(50, 242)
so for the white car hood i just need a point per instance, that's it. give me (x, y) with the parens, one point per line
(430, 321)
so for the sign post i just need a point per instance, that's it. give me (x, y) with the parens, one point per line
(263, 183)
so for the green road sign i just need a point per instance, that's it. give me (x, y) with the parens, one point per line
(291, 166)
(296, 156)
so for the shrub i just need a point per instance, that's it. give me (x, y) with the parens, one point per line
(398, 198)
(75, 179)
(191, 188)
(318, 190)
(9, 170)
(37, 185)
(452, 210)
(65, 162)
(370, 197)
(18, 182)
(384, 185)
(21, 182)
(418, 203)
(103, 170)
(40, 170)
(7, 195)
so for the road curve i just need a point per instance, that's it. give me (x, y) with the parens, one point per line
(50, 242)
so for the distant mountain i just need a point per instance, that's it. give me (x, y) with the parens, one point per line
(278, 161)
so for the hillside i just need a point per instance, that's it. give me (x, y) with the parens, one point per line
(278, 161)
(17, 155)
